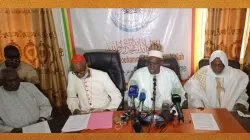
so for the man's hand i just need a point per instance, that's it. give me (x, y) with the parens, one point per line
(41, 119)
(77, 112)
(200, 108)
(17, 130)
(239, 107)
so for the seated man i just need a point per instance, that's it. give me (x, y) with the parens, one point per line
(21, 104)
(163, 80)
(218, 85)
(26, 72)
(90, 90)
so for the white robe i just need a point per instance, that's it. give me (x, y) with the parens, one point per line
(22, 107)
(202, 93)
(102, 92)
(201, 87)
(167, 83)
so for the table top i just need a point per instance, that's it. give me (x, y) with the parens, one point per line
(226, 122)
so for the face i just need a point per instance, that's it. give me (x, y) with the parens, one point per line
(217, 66)
(80, 69)
(11, 82)
(12, 62)
(154, 64)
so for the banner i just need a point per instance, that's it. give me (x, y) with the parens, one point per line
(131, 31)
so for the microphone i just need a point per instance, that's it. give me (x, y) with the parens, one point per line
(142, 98)
(137, 126)
(165, 110)
(177, 100)
(133, 92)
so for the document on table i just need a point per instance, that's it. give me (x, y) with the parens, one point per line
(101, 120)
(42, 127)
(76, 123)
(204, 121)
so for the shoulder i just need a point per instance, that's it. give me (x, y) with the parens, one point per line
(96, 72)
(237, 72)
(71, 75)
(168, 70)
(203, 69)
(2, 65)
(26, 66)
(27, 85)
(141, 70)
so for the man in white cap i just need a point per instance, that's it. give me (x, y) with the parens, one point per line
(218, 85)
(163, 80)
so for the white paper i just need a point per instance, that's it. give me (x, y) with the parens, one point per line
(42, 127)
(76, 123)
(204, 121)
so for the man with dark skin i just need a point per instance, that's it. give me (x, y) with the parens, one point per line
(21, 103)
(90, 90)
(80, 69)
(218, 86)
(25, 71)
(166, 80)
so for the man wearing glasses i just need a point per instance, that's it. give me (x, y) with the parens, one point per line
(90, 90)
(25, 71)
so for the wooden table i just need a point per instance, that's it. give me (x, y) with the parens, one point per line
(225, 122)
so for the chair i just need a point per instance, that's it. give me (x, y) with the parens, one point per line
(108, 62)
(232, 63)
(170, 63)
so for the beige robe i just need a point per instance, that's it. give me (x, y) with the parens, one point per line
(25, 72)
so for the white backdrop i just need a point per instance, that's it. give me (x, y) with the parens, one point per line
(132, 30)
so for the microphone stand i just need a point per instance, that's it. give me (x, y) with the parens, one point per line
(153, 117)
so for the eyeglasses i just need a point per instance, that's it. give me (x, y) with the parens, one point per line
(81, 72)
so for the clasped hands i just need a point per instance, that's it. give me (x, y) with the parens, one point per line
(20, 130)
(79, 112)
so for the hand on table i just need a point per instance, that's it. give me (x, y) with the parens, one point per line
(77, 112)
(17, 130)
(201, 108)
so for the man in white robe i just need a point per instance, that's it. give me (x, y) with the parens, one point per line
(218, 85)
(90, 90)
(167, 82)
(21, 104)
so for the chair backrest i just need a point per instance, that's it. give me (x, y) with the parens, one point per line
(170, 63)
(232, 63)
(108, 61)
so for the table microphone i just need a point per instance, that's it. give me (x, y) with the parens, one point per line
(133, 93)
(165, 110)
(142, 98)
(176, 98)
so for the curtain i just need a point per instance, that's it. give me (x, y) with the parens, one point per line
(51, 70)
(16, 29)
(32, 31)
(224, 31)
(246, 62)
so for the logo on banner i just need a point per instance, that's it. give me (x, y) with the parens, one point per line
(133, 19)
